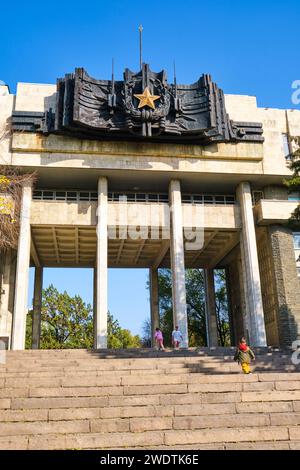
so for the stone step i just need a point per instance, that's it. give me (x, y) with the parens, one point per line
(140, 424)
(145, 439)
(81, 400)
(209, 367)
(171, 395)
(206, 382)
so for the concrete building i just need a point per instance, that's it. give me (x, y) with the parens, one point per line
(230, 193)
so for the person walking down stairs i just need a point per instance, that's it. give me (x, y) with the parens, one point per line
(176, 338)
(244, 355)
(159, 339)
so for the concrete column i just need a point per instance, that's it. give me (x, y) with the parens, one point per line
(22, 272)
(95, 306)
(254, 305)
(230, 306)
(153, 274)
(101, 315)
(37, 308)
(177, 261)
(5, 294)
(210, 308)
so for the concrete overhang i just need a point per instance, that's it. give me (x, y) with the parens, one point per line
(273, 211)
(64, 234)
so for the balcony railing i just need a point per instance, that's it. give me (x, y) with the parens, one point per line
(76, 196)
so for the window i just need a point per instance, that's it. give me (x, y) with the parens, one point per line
(120, 197)
(229, 199)
(208, 199)
(48, 195)
(140, 197)
(198, 199)
(60, 195)
(296, 236)
(84, 196)
(186, 198)
(219, 199)
(37, 195)
(295, 196)
(152, 197)
(71, 196)
(257, 196)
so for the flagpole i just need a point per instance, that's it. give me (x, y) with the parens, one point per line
(141, 31)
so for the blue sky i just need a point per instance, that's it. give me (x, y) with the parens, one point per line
(248, 48)
(128, 297)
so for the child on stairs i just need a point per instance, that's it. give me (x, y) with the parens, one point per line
(244, 355)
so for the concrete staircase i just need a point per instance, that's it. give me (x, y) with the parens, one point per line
(193, 399)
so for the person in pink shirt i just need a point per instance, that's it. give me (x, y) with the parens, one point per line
(159, 339)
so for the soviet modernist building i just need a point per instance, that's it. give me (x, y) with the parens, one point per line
(143, 173)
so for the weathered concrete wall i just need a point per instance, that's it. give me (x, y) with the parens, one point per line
(144, 214)
(269, 211)
(276, 192)
(242, 158)
(6, 107)
(268, 285)
(7, 286)
(286, 283)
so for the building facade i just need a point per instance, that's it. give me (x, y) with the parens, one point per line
(131, 181)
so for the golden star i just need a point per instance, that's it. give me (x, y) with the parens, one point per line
(146, 99)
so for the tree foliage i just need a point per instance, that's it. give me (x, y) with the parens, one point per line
(195, 299)
(120, 338)
(67, 323)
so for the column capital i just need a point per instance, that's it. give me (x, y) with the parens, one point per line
(174, 185)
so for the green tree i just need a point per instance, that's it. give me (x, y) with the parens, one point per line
(195, 299)
(223, 322)
(67, 323)
(147, 333)
(120, 338)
